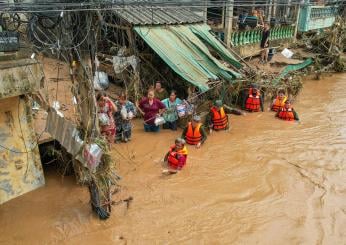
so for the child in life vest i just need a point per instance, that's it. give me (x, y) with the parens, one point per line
(287, 112)
(279, 101)
(176, 157)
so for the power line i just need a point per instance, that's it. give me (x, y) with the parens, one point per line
(58, 10)
(92, 6)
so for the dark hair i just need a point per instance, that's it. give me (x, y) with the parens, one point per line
(173, 92)
(99, 95)
(158, 82)
(254, 85)
(122, 96)
(281, 91)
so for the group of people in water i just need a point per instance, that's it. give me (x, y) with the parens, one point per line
(115, 118)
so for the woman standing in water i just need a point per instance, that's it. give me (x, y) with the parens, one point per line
(150, 107)
(106, 109)
(171, 114)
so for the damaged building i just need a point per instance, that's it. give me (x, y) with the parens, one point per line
(20, 165)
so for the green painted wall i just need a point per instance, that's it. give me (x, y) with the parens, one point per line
(316, 17)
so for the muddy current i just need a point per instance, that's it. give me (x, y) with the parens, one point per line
(265, 182)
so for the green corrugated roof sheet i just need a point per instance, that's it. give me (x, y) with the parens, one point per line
(186, 53)
(203, 32)
(291, 68)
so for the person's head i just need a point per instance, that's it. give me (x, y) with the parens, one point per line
(281, 93)
(158, 85)
(151, 94)
(266, 26)
(173, 95)
(254, 89)
(218, 104)
(288, 104)
(195, 120)
(100, 98)
(122, 98)
(179, 143)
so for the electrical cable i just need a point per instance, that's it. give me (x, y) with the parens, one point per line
(95, 6)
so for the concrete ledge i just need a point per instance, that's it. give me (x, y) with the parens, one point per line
(19, 77)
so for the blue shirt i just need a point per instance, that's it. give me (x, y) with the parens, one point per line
(171, 113)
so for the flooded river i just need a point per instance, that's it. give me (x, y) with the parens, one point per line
(265, 182)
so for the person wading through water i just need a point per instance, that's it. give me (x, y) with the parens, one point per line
(106, 109)
(194, 133)
(123, 118)
(254, 100)
(171, 114)
(160, 92)
(176, 157)
(217, 119)
(279, 101)
(287, 112)
(150, 108)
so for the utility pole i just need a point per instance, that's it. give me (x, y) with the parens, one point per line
(297, 21)
(274, 7)
(228, 22)
(288, 8)
(205, 12)
(269, 9)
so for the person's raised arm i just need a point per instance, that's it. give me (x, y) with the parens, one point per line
(112, 105)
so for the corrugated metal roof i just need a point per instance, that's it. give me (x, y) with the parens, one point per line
(158, 16)
(181, 49)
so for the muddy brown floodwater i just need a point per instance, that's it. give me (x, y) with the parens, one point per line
(265, 182)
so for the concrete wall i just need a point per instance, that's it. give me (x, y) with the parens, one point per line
(19, 172)
(19, 77)
(254, 49)
(316, 17)
(20, 164)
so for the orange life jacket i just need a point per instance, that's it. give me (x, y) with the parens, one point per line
(193, 136)
(172, 159)
(286, 114)
(253, 103)
(278, 104)
(220, 119)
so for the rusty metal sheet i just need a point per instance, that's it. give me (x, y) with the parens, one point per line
(63, 131)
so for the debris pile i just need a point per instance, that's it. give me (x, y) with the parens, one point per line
(328, 46)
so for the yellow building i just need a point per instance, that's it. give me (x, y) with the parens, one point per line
(20, 164)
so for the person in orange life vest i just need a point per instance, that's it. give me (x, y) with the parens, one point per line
(217, 119)
(176, 157)
(279, 101)
(253, 102)
(287, 112)
(194, 133)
